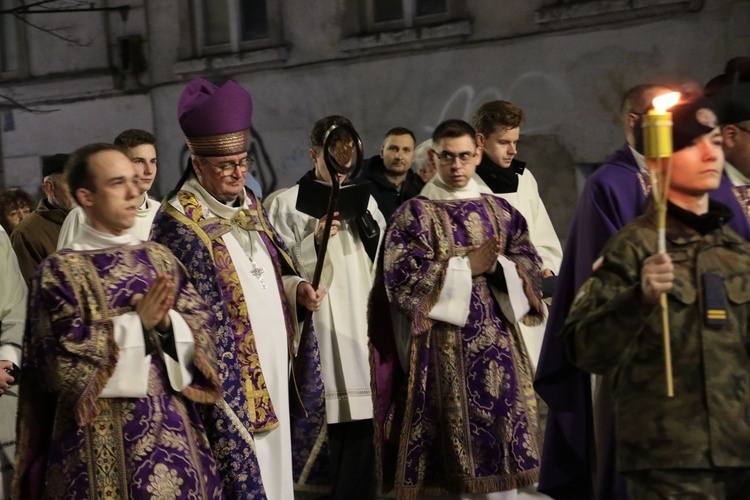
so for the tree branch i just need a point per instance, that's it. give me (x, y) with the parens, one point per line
(53, 32)
(16, 104)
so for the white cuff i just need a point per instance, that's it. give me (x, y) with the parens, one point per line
(10, 353)
(513, 304)
(130, 379)
(453, 305)
(180, 371)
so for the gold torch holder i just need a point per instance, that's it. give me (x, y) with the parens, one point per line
(657, 141)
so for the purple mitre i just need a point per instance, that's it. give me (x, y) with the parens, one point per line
(215, 120)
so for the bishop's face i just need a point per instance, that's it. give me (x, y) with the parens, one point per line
(222, 176)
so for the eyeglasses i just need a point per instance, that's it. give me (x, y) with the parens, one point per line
(742, 128)
(450, 158)
(226, 168)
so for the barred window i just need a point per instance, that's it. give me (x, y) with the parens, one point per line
(234, 25)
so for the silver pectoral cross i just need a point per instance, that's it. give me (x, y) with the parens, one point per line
(258, 273)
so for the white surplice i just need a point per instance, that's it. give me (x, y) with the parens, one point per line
(12, 315)
(542, 234)
(341, 322)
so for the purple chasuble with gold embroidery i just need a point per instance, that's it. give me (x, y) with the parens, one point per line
(73, 444)
(194, 239)
(464, 418)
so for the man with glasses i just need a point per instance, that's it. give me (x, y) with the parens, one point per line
(238, 262)
(458, 271)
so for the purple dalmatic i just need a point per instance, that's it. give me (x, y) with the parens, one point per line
(74, 444)
(615, 194)
(462, 418)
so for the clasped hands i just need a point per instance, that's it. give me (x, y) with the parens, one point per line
(153, 308)
(483, 258)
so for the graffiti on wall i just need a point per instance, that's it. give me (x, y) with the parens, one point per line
(544, 98)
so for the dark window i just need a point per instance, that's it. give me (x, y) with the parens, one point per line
(216, 22)
(430, 7)
(388, 10)
(254, 19)
(8, 38)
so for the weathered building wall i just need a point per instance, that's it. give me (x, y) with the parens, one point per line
(568, 81)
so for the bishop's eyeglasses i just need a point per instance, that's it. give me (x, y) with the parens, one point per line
(227, 168)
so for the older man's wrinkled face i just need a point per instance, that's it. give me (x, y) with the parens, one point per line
(222, 176)
(56, 189)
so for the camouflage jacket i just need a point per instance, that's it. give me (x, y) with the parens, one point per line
(707, 422)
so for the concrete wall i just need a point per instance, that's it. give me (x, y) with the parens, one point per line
(568, 81)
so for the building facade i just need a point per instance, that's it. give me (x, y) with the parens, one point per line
(74, 72)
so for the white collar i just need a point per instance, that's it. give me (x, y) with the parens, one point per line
(215, 206)
(145, 207)
(734, 175)
(93, 239)
(436, 189)
(640, 160)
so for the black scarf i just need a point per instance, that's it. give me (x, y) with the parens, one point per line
(499, 179)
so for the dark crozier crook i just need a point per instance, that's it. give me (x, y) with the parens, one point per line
(333, 169)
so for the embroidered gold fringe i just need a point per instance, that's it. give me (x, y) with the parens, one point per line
(476, 485)
(219, 145)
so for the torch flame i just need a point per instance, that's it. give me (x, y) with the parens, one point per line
(665, 101)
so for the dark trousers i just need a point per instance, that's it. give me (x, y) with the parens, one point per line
(352, 451)
(692, 484)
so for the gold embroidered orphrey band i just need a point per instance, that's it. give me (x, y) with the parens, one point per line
(219, 145)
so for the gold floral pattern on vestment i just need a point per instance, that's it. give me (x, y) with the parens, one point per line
(259, 405)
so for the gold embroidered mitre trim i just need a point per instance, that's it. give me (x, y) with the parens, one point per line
(219, 145)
